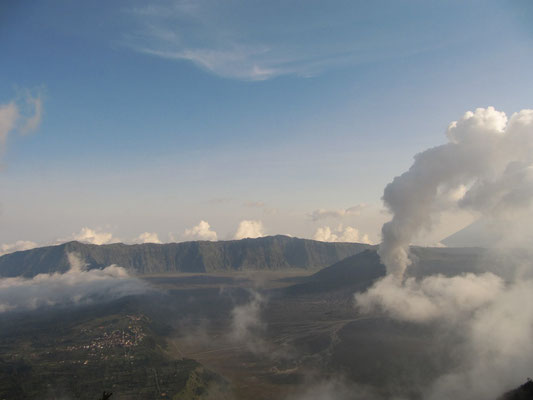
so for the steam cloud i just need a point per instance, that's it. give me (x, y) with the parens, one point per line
(246, 317)
(496, 354)
(487, 168)
(433, 298)
(246, 323)
(75, 287)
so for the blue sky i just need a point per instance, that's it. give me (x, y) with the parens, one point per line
(157, 117)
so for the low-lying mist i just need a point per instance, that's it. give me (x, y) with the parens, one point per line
(77, 286)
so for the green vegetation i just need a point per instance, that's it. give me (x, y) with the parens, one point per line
(267, 253)
(80, 358)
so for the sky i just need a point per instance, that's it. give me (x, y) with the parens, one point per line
(182, 120)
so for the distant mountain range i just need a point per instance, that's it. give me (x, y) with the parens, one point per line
(480, 233)
(266, 253)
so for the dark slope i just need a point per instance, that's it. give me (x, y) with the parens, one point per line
(524, 392)
(359, 271)
(354, 273)
(267, 253)
(447, 261)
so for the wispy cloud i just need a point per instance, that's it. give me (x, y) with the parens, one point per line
(322, 213)
(255, 204)
(233, 62)
(262, 206)
(249, 41)
(246, 323)
(9, 115)
(22, 115)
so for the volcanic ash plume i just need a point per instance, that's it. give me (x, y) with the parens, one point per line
(486, 167)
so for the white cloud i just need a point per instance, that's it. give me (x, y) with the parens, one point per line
(202, 231)
(74, 287)
(148, 237)
(249, 229)
(92, 236)
(15, 116)
(19, 245)
(340, 234)
(322, 213)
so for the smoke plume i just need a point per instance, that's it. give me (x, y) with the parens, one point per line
(488, 161)
(486, 168)
(246, 323)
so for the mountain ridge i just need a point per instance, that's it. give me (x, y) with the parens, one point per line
(265, 253)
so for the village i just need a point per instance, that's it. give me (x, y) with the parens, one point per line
(103, 339)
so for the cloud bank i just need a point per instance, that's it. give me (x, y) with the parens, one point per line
(77, 286)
